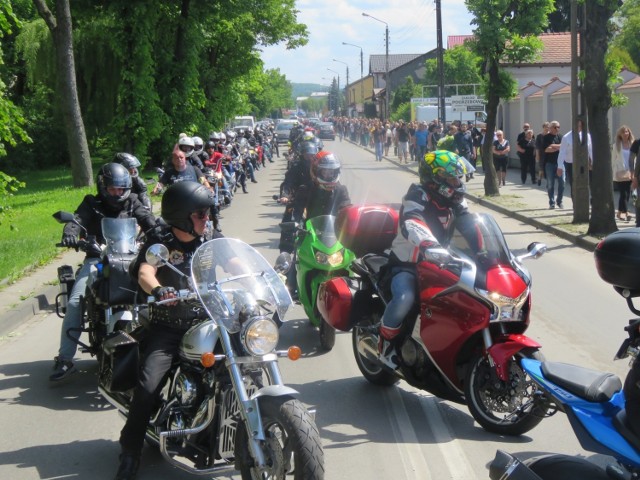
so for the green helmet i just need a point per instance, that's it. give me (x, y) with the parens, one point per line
(442, 172)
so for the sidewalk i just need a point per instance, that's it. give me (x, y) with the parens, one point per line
(527, 203)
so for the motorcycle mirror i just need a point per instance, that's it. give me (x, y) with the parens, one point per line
(534, 250)
(157, 254)
(276, 197)
(283, 263)
(67, 217)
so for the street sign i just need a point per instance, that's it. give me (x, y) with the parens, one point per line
(467, 103)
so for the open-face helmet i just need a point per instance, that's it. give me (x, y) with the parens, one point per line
(182, 199)
(325, 170)
(442, 173)
(198, 145)
(114, 175)
(186, 145)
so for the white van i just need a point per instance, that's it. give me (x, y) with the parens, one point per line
(244, 121)
(427, 113)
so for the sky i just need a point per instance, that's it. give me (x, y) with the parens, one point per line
(412, 29)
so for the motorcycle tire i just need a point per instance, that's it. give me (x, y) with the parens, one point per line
(486, 395)
(373, 371)
(562, 467)
(327, 335)
(292, 445)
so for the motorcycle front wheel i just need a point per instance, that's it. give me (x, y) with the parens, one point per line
(506, 408)
(562, 467)
(327, 335)
(292, 445)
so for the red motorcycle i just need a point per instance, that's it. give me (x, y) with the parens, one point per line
(464, 340)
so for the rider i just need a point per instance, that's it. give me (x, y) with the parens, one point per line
(324, 195)
(198, 150)
(138, 186)
(114, 200)
(180, 171)
(428, 208)
(186, 209)
(188, 146)
(298, 174)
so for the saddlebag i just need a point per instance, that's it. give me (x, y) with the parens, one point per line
(618, 259)
(116, 286)
(367, 228)
(120, 362)
(342, 305)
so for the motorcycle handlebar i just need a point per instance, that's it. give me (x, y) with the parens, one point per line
(181, 296)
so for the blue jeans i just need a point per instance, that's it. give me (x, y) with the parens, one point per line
(421, 150)
(403, 286)
(73, 317)
(379, 147)
(551, 172)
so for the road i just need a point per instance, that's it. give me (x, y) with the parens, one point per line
(68, 431)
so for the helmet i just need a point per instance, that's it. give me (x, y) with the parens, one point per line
(198, 145)
(318, 143)
(215, 136)
(182, 199)
(128, 161)
(223, 137)
(325, 170)
(442, 172)
(231, 134)
(210, 144)
(113, 175)
(307, 136)
(308, 150)
(187, 146)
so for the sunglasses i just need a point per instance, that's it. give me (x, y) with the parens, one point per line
(201, 214)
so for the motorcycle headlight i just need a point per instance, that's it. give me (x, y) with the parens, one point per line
(333, 259)
(260, 336)
(507, 309)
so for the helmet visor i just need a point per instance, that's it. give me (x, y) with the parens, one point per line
(328, 174)
(186, 148)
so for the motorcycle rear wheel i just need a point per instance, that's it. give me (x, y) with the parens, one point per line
(292, 443)
(562, 467)
(493, 403)
(373, 371)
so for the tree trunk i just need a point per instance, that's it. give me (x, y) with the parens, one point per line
(490, 178)
(598, 99)
(62, 33)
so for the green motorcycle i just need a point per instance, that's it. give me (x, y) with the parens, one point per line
(319, 256)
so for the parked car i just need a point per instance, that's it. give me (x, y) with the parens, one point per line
(326, 131)
(282, 130)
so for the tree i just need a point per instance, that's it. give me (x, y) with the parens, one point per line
(505, 33)
(461, 66)
(404, 93)
(62, 33)
(559, 18)
(598, 94)
(628, 39)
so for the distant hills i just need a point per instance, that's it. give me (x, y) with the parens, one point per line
(305, 89)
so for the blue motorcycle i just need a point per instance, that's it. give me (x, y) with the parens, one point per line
(595, 402)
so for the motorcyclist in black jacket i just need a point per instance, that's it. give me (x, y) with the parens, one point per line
(298, 174)
(114, 200)
(138, 185)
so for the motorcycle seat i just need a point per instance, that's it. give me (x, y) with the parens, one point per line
(375, 262)
(589, 384)
(621, 423)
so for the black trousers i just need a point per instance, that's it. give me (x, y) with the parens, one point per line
(158, 355)
(527, 166)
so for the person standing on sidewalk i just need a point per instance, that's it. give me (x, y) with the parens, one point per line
(623, 169)
(403, 142)
(551, 144)
(500, 150)
(421, 136)
(540, 151)
(565, 155)
(526, 166)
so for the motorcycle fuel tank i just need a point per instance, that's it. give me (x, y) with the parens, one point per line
(199, 339)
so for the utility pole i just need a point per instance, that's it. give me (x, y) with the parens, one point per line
(387, 82)
(441, 94)
(361, 72)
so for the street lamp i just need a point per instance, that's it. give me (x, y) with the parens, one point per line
(361, 72)
(347, 84)
(387, 85)
(338, 96)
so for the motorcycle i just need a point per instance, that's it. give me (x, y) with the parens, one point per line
(109, 303)
(318, 257)
(224, 405)
(593, 401)
(464, 341)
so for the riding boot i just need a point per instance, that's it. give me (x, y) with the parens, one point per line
(128, 468)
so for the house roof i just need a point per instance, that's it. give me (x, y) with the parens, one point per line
(377, 62)
(455, 40)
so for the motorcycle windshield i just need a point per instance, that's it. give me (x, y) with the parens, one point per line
(479, 237)
(233, 280)
(119, 235)
(324, 226)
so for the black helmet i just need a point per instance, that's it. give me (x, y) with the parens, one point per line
(181, 200)
(210, 144)
(127, 160)
(114, 175)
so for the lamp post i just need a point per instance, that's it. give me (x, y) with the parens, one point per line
(387, 85)
(346, 84)
(338, 96)
(361, 72)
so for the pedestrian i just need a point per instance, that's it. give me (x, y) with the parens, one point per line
(402, 136)
(421, 137)
(500, 150)
(551, 144)
(565, 156)
(622, 170)
(525, 165)
(540, 151)
(388, 135)
(528, 157)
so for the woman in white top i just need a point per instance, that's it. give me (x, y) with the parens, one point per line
(623, 172)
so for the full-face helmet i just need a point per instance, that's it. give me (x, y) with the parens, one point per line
(116, 176)
(308, 150)
(186, 145)
(182, 199)
(198, 145)
(442, 173)
(128, 161)
(325, 170)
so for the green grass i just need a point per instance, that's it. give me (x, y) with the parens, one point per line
(28, 238)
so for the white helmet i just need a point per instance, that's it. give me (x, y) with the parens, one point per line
(187, 146)
(198, 145)
(223, 137)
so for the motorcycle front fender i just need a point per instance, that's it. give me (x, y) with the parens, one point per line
(275, 391)
(506, 466)
(505, 348)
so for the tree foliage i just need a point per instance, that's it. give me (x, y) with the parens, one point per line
(461, 66)
(505, 32)
(628, 38)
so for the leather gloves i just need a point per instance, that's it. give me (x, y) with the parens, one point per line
(70, 240)
(162, 293)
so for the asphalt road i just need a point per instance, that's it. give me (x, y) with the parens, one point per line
(67, 431)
